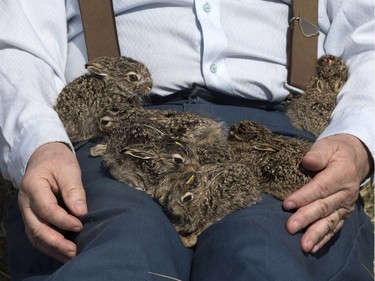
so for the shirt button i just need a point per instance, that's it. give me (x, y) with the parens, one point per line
(207, 7)
(213, 68)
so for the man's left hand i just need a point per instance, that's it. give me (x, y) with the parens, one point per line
(322, 205)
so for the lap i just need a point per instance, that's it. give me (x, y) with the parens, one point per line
(127, 237)
(254, 242)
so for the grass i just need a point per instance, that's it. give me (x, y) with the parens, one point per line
(367, 192)
(6, 190)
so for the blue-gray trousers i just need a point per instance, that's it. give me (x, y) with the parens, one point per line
(126, 236)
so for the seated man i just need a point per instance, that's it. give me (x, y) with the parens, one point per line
(74, 222)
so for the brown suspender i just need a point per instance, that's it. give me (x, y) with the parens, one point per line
(101, 36)
(99, 28)
(303, 42)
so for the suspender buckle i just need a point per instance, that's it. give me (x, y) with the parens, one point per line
(308, 29)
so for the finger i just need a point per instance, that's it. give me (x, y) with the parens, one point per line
(327, 237)
(47, 239)
(44, 203)
(42, 235)
(317, 188)
(320, 232)
(324, 184)
(317, 210)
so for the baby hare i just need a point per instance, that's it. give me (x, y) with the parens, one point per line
(194, 201)
(311, 111)
(182, 125)
(277, 157)
(207, 135)
(141, 153)
(111, 80)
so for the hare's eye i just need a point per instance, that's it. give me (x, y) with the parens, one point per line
(115, 109)
(133, 76)
(187, 197)
(105, 121)
(177, 159)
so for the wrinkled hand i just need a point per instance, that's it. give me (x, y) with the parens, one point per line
(323, 204)
(52, 175)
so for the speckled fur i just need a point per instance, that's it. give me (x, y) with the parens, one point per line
(199, 173)
(311, 111)
(109, 81)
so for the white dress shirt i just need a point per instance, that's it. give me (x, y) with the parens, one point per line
(233, 46)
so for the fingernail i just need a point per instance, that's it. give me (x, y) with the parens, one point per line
(66, 256)
(309, 246)
(70, 255)
(296, 226)
(315, 249)
(80, 206)
(289, 205)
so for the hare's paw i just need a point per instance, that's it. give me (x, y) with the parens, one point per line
(189, 241)
(98, 150)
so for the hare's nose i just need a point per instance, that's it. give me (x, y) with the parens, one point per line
(148, 84)
(192, 168)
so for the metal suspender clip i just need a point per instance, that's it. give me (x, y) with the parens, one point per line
(308, 29)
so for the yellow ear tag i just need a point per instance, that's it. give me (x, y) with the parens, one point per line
(190, 180)
(178, 143)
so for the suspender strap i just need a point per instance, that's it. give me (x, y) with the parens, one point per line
(99, 28)
(101, 36)
(303, 43)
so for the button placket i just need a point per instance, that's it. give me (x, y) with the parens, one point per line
(214, 46)
(213, 67)
(207, 7)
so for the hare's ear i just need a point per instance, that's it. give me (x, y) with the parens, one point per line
(151, 127)
(138, 153)
(187, 197)
(96, 68)
(320, 86)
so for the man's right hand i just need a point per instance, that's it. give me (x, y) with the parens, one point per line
(52, 176)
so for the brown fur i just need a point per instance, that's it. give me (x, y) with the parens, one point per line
(278, 158)
(198, 173)
(312, 110)
(109, 81)
(193, 201)
(256, 161)
(140, 154)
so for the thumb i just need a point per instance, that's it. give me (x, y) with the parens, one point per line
(75, 200)
(318, 157)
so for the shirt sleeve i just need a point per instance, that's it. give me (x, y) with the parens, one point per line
(33, 49)
(351, 36)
